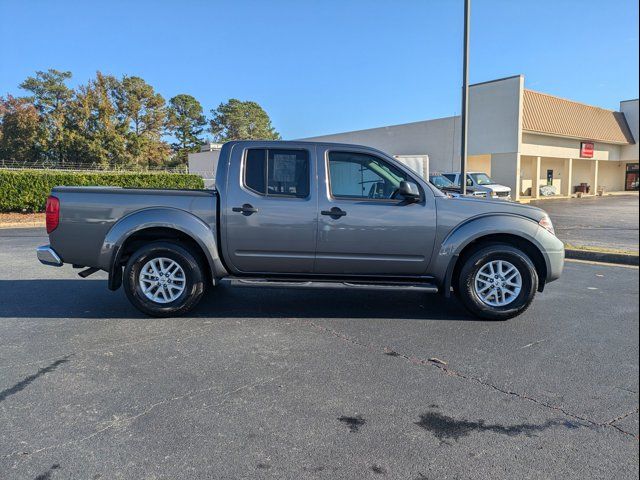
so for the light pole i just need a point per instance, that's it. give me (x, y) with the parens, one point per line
(465, 98)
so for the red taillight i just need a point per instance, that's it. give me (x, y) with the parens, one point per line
(52, 213)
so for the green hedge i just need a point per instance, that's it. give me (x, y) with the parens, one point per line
(27, 190)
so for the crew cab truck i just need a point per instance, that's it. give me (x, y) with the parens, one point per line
(300, 214)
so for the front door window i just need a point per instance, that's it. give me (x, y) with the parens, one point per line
(361, 176)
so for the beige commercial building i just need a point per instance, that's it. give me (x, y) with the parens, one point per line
(524, 139)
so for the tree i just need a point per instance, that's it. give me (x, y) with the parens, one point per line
(185, 121)
(142, 112)
(50, 96)
(238, 120)
(22, 137)
(94, 134)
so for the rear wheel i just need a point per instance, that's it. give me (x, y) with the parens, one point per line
(163, 279)
(497, 282)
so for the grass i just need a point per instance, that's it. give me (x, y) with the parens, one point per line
(590, 248)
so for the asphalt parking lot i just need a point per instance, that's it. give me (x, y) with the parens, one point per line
(267, 383)
(601, 222)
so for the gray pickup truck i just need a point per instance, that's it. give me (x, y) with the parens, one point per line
(299, 214)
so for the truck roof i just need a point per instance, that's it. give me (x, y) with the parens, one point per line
(281, 143)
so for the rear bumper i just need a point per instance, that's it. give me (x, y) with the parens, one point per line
(48, 256)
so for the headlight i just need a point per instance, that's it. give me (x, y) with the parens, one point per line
(547, 224)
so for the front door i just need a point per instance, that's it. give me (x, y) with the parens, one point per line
(632, 177)
(270, 211)
(364, 227)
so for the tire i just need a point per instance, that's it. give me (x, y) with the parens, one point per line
(476, 293)
(175, 295)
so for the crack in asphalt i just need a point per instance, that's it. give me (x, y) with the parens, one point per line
(105, 349)
(24, 383)
(623, 416)
(125, 422)
(454, 373)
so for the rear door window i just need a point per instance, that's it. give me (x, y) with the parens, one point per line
(255, 164)
(277, 172)
(450, 176)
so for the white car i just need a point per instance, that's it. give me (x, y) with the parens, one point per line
(481, 182)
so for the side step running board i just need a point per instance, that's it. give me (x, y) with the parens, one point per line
(397, 287)
(87, 272)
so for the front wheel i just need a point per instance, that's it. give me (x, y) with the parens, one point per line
(497, 282)
(163, 279)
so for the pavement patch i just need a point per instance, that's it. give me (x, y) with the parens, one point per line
(446, 428)
(354, 423)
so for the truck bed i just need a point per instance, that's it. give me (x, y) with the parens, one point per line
(88, 213)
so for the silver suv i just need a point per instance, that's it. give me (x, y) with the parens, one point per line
(480, 184)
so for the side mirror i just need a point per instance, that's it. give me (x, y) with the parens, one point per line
(409, 190)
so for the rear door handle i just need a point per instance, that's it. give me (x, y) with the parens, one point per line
(334, 213)
(246, 209)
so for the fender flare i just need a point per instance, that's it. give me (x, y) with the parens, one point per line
(475, 229)
(157, 217)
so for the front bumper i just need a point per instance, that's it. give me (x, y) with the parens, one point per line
(556, 265)
(506, 198)
(553, 251)
(48, 256)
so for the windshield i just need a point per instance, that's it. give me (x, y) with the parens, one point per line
(481, 179)
(441, 181)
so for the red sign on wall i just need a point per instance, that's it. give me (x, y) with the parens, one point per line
(586, 149)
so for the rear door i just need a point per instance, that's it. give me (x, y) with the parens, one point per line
(270, 209)
(363, 227)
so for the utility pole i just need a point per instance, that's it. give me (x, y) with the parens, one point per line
(465, 98)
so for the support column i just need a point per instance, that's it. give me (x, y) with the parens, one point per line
(569, 177)
(596, 167)
(536, 179)
(505, 170)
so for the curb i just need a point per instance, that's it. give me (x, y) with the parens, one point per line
(603, 257)
(22, 225)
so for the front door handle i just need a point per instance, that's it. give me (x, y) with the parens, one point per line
(334, 213)
(246, 209)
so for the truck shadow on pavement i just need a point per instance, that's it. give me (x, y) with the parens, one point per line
(65, 298)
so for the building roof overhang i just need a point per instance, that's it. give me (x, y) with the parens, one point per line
(549, 115)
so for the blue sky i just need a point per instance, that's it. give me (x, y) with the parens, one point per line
(328, 66)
